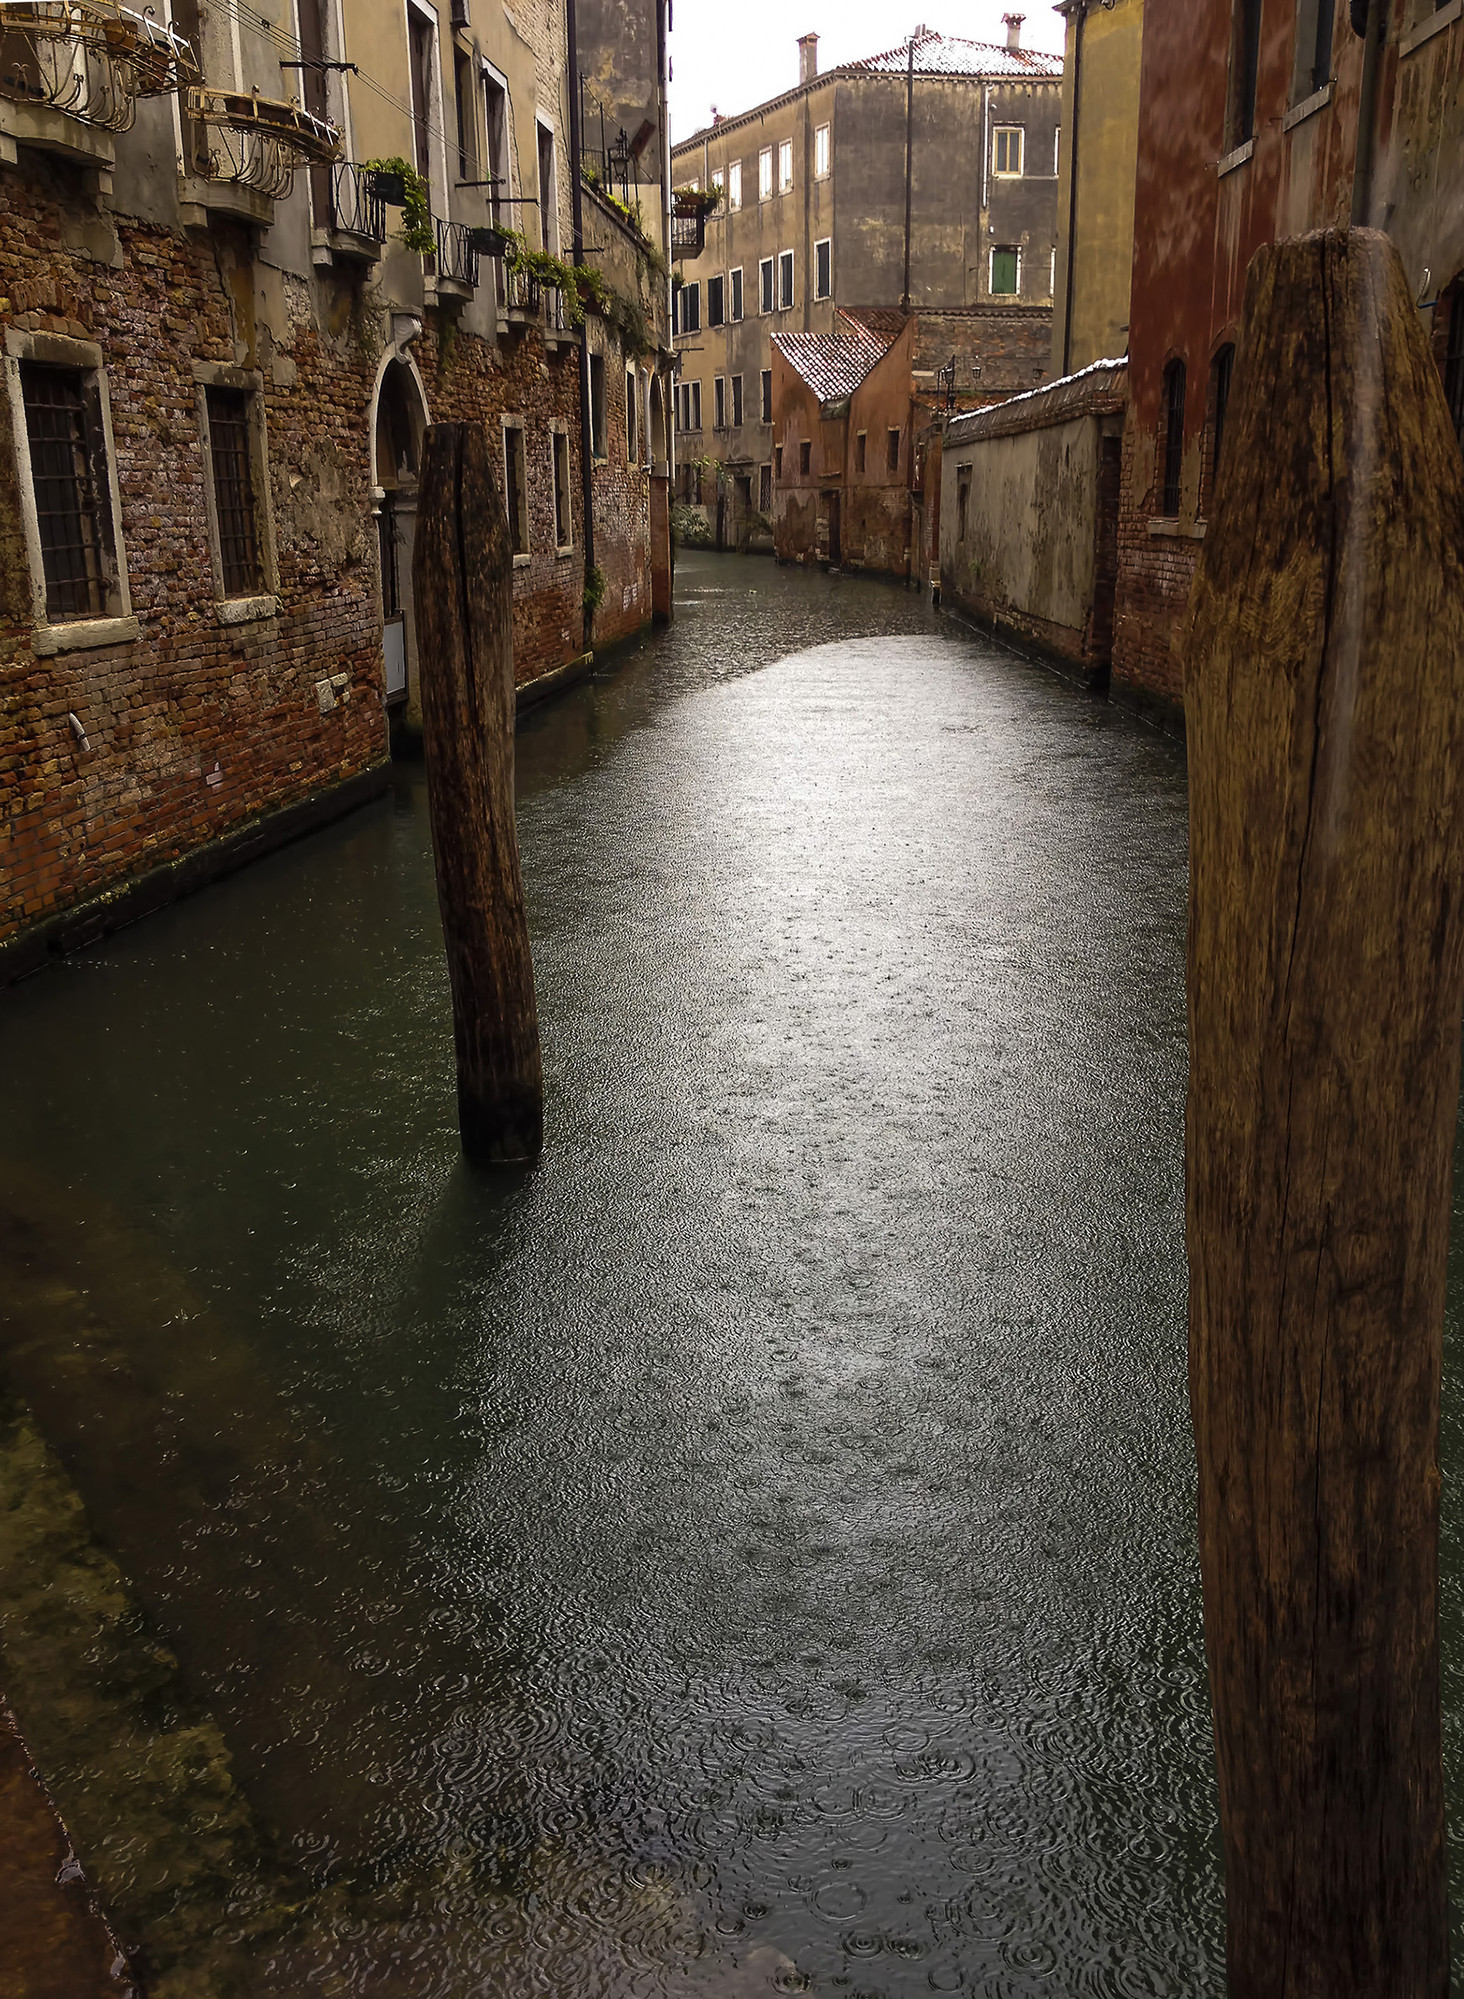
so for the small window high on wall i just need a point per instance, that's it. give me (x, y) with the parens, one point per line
(1245, 50)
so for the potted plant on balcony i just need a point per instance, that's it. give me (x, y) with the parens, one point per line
(397, 182)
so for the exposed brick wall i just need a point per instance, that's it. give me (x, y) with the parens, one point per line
(196, 727)
(1154, 577)
(199, 727)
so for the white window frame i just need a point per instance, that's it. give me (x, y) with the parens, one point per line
(823, 243)
(118, 626)
(735, 291)
(998, 133)
(822, 151)
(544, 123)
(765, 174)
(691, 290)
(250, 382)
(739, 407)
(767, 293)
(787, 260)
(719, 178)
(734, 187)
(437, 109)
(785, 165)
(992, 255)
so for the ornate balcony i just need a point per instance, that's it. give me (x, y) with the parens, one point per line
(71, 72)
(246, 141)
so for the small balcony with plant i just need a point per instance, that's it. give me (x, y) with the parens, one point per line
(72, 72)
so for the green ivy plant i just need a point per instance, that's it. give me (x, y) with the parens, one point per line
(417, 232)
(594, 589)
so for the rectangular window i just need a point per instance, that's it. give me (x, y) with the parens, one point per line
(823, 268)
(736, 304)
(765, 174)
(1005, 270)
(860, 443)
(821, 152)
(778, 463)
(421, 43)
(1006, 151)
(1057, 152)
(1245, 50)
(632, 418)
(805, 458)
(64, 439)
(737, 402)
(767, 395)
(892, 451)
(715, 291)
(599, 428)
(1222, 374)
(495, 119)
(734, 187)
(719, 402)
(1173, 440)
(765, 278)
(516, 488)
(230, 449)
(785, 165)
(467, 146)
(548, 193)
(963, 500)
(563, 525)
(719, 179)
(689, 309)
(765, 489)
(785, 280)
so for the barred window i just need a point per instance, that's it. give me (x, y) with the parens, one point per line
(233, 481)
(64, 445)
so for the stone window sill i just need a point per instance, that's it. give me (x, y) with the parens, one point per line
(522, 561)
(82, 634)
(246, 610)
(1228, 162)
(1307, 108)
(563, 554)
(1182, 530)
(1434, 25)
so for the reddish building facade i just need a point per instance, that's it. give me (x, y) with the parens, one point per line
(1249, 118)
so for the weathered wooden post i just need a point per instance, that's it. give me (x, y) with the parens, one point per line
(462, 581)
(1325, 706)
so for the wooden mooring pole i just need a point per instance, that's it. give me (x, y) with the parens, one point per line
(462, 583)
(1325, 706)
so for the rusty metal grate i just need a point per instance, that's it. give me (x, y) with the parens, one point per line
(58, 429)
(228, 434)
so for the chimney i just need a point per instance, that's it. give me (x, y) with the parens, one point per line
(1014, 29)
(807, 58)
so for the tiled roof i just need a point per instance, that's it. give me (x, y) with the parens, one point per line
(886, 321)
(951, 55)
(833, 364)
(1099, 388)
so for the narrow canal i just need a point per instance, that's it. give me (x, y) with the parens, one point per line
(753, 1552)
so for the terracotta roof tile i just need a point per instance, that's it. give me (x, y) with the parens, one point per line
(833, 364)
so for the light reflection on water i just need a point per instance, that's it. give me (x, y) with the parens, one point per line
(754, 1552)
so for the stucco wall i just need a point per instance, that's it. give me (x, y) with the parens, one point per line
(1027, 557)
(1105, 149)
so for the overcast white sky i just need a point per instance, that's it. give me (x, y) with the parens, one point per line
(736, 53)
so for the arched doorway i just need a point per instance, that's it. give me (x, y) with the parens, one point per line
(661, 576)
(399, 418)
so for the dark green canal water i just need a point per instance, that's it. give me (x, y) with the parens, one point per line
(753, 1552)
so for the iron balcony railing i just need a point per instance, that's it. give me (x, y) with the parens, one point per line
(356, 206)
(457, 259)
(256, 142)
(521, 290)
(91, 59)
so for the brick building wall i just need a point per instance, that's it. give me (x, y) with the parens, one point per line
(196, 727)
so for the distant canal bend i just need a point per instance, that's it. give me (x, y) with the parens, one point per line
(754, 1552)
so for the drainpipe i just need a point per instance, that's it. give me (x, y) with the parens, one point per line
(909, 163)
(1367, 110)
(577, 213)
(1080, 10)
